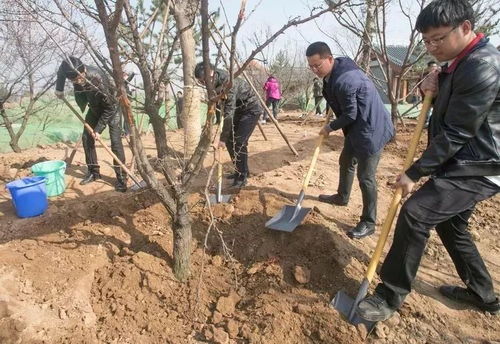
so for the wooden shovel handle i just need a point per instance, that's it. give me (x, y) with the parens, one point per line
(91, 131)
(386, 227)
(319, 142)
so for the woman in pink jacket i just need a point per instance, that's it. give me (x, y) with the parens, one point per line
(273, 95)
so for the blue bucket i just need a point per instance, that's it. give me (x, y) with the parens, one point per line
(29, 196)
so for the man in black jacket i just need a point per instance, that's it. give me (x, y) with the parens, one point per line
(462, 158)
(366, 125)
(241, 111)
(93, 88)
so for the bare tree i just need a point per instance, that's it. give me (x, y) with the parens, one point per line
(372, 31)
(29, 54)
(118, 22)
(184, 13)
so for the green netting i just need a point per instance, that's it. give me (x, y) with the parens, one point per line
(63, 126)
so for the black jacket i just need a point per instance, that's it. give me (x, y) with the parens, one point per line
(98, 93)
(360, 112)
(241, 99)
(464, 133)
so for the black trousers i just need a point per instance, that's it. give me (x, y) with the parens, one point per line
(116, 144)
(445, 204)
(317, 103)
(274, 103)
(237, 143)
(367, 168)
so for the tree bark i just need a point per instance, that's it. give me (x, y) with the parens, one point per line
(191, 105)
(366, 39)
(159, 131)
(182, 239)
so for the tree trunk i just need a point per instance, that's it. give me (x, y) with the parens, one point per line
(191, 106)
(182, 239)
(191, 120)
(366, 40)
(159, 132)
(394, 116)
(14, 144)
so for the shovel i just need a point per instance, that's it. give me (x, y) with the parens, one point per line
(343, 302)
(219, 197)
(138, 184)
(291, 216)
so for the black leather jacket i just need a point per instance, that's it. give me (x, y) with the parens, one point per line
(464, 133)
(98, 93)
(240, 100)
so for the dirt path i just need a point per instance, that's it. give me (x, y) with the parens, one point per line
(95, 268)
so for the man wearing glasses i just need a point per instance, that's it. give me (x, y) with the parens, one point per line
(462, 160)
(93, 88)
(366, 125)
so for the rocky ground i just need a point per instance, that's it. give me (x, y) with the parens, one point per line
(96, 267)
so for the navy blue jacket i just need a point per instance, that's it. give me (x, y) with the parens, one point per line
(359, 111)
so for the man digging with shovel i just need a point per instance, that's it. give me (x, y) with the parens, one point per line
(242, 111)
(462, 158)
(93, 88)
(366, 125)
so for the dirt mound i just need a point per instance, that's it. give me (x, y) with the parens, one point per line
(97, 269)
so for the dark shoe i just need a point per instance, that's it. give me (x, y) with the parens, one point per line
(89, 178)
(332, 199)
(236, 175)
(374, 308)
(121, 186)
(361, 230)
(240, 182)
(464, 295)
(232, 175)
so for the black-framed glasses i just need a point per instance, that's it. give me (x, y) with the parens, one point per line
(438, 41)
(316, 67)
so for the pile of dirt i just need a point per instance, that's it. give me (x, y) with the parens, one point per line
(97, 269)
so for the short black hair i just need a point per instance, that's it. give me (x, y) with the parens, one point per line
(431, 62)
(318, 48)
(445, 13)
(72, 66)
(199, 70)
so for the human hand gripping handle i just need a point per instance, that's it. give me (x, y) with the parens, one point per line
(430, 84)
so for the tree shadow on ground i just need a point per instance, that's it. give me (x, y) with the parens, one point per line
(81, 220)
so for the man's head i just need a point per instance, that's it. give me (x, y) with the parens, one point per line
(447, 27)
(179, 93)
(74, 70)
(320, 59)
(199, 72)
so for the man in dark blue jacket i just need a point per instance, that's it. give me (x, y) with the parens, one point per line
(462, 158)
(94, 90)
(366, 124)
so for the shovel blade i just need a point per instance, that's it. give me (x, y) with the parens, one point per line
(142, 184)
(343, 303)
(285, 220)
(222, 199)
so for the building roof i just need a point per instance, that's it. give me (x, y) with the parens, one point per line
(397, 53)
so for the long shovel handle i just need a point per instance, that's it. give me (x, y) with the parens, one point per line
(91, 131)
(386, 227)
(308, 176)
(319, 142)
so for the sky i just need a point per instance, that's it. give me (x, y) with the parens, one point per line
(273, 14)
